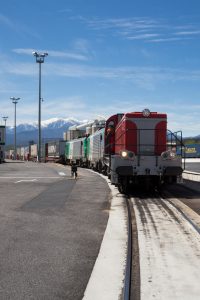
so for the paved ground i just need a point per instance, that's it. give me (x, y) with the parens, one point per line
(188, 192)
(192, 166)
(51, 228)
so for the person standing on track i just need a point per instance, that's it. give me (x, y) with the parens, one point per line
(74, 170)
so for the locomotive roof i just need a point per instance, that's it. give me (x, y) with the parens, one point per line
(141, 115)
(118, 118)
(138, 114)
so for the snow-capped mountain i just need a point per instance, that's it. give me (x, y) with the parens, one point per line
(59, 123)
(51, 123)
(51, 129)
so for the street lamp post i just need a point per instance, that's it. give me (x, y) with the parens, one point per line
(39, 59)
(15, 101)
(5, 119)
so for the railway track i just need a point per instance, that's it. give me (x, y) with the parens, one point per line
(164, 245)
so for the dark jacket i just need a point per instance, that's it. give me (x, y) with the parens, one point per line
(74, 168)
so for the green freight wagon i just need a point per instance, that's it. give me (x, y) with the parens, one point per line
(76, 151)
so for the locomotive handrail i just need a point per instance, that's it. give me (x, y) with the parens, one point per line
(180, 140)
(174, 134)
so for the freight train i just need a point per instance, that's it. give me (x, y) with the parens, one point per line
(132, 148)
(51, 151)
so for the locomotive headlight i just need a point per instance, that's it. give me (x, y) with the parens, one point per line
(146, 112)
(172, 155)
(124, 154)
(127, 154)
(164, 155)
(168, 155)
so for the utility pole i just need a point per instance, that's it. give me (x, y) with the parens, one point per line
(5, 119)
(15, 101)
(39, 59)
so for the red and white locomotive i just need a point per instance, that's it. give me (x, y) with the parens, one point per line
(138, 150)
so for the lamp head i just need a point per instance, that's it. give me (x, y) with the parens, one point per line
(14, 100)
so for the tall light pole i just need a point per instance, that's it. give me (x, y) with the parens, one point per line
(15, 101)
(5, 119)
(39, 59)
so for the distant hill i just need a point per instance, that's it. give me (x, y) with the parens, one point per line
(51, 129)
(192, 140)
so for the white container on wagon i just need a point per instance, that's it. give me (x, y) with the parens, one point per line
(33, 151)
(96, 147)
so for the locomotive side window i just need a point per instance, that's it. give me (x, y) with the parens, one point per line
(110, 128)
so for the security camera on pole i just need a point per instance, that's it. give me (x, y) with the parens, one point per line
(39, 59)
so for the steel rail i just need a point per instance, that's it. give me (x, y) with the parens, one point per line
(127, 280)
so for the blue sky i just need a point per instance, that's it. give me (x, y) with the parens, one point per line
(105, 57)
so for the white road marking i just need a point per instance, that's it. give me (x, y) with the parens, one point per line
(61, 173)
(191, 160)
(38, 177)
(26, 180)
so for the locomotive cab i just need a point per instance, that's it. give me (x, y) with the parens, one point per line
(141, 153)
(109, 141)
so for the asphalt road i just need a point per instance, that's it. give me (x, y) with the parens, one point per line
(51, 228)
(192, 166)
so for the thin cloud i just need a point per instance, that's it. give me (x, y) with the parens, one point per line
(69, 55)
(146, 77)
(27, 51)
(194, 32)
(171, 39)
(122, 23)
(73, 70)
(144, 29)
(6, 21)
(146, 36)
(59, 54)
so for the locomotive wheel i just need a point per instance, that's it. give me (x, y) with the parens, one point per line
(104, 170)
(123, 186)
(100, 167)
(108, 173)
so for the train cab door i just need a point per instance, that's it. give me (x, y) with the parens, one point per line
(146, 136)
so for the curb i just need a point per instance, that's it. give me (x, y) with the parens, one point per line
(188, 213)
